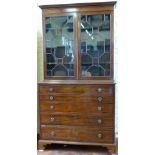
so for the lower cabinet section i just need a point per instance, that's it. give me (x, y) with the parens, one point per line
(77, 114)
(79, 134)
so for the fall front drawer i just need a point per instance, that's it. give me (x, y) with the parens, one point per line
(104, 120)
(82, 89)
(72, 133)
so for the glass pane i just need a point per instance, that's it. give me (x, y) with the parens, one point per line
(59, 37)
(95, 45)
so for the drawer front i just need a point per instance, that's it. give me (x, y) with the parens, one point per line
(104, 120)
(79, 134)
(80, 89)
(88, 107)
(76, 98)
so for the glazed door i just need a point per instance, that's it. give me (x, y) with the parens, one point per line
(59, 46)
(96, 54)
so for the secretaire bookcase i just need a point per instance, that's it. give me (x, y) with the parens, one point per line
(77, 96)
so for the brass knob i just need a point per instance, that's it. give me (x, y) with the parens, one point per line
(99, 90)
(52, 133)
(100, 135)
(99, 98)
(52, 119)
(52, 107)
(99, 121)
(99, 108)
(50, 89)
(51, 97)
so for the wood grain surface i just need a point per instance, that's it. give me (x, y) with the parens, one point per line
(80, 134)
(98, 120)
(82, 89)
(76, 107)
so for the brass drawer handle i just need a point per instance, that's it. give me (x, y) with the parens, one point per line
(51, 98)
(52, 133)
(99, 108)
(100, 135)
(50, 89)
(52, 119)
(99, 121)
(52, 107)
(99, 90)
(100, 99)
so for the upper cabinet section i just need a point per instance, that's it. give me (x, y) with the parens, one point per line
(78, 41)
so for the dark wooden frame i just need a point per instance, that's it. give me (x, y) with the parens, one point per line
(79, 4)
(76, 10)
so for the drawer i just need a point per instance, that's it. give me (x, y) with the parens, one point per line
(88, 107)
(60, 98)
(81, 89)
(77, 119)
(79, 134)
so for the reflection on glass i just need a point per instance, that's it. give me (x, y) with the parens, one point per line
(59, 45)
(95, 45)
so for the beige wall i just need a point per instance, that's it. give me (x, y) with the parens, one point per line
(40, 68)
(39, 64)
